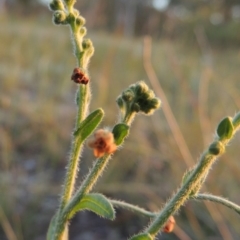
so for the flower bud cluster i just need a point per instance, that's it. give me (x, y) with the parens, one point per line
(61, 15)
(138, 98)
(56, 5)
(65, 14)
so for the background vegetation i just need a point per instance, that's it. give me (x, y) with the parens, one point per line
(196, 58)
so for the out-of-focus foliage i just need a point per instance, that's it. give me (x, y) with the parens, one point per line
(220, 19)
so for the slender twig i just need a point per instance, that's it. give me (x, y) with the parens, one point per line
(218, 199)
(132, 208)
(86, 186)
(90, 180)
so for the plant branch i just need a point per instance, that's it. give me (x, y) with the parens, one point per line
(87, 185)
(201, 169)
(218, 199)
(132, 208)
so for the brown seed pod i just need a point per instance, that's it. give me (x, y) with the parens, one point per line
(79, 77)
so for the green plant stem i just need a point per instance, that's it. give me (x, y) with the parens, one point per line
(77, 41)
(83, 96)
(71, 174)
(73, 163)
(85, 188)
(89, 182)
(236, 121)
(132, 208)
(129, 117)
(182, 195)
(218, 199)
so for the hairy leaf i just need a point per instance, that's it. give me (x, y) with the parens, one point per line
(225, 128)
(89, 124)
(96, 203)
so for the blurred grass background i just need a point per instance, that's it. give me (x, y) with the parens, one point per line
(199, 73)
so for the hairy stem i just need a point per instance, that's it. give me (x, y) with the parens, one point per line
(218, 199)
(72, 169)
(132, 208)
(83, 103)
(77, 42)
(89, 182)
(85, 188)
(182, 194)
(200, 171)
(71, 174)
(83, 99)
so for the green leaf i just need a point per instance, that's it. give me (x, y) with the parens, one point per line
(225, 128)
(51, 228)
(120, 131)
(142, 236)
(96, 203)
(89, 124)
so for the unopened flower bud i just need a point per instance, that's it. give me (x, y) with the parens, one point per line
(135, 107)
(149, 106)
(150, 94)
(83, 31)
(141, 87)
(120, 102)
(56, 5)
(225, 129)
(216, 148)
(169, 226)
(76, 12)
(128, 95)
(80, 21)
(87, 43)
(59, 17)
